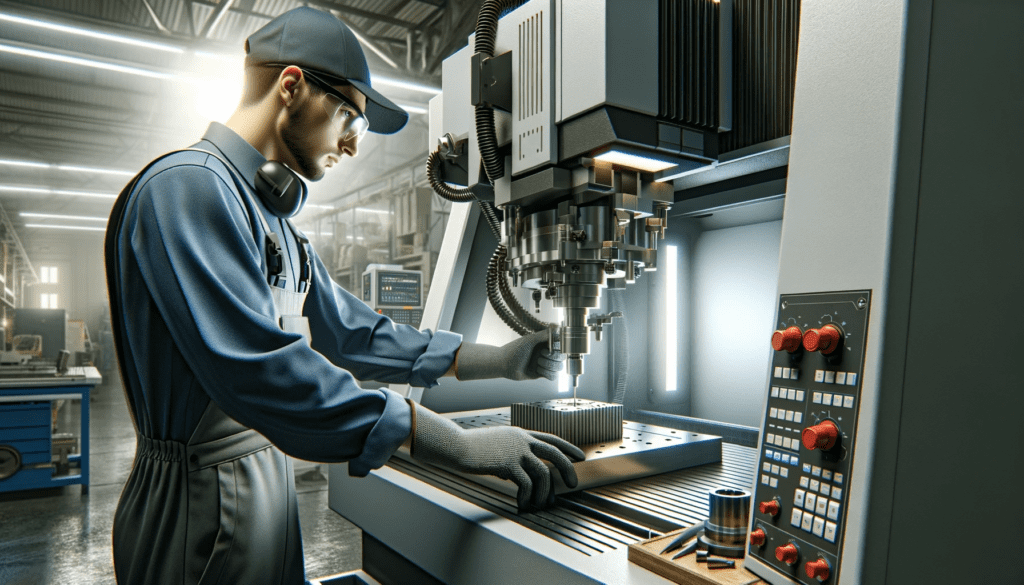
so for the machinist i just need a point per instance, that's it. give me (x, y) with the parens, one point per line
(236, 347)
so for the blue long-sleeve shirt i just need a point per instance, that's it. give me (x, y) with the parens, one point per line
(199, 323)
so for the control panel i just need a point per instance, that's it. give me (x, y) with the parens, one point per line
(403, 316)
(809, 435)
(399, 289)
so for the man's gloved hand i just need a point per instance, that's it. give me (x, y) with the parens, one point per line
(506, 452)
(526, 358)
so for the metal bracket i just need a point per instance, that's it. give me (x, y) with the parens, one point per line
(491, 83)
(597, 322)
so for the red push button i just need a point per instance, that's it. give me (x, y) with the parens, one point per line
(787, 339)
(818, 569)
(771, 507)
(787, 554)
(821, 436)
(758, 537)
(825, 340)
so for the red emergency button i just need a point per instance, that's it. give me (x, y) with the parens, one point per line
(787, 339)
(821, 436)
(826, 339)
(771, 507)
(787, 554)
(818, 569)
(758, 537)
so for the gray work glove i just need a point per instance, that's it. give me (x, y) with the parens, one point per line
(504, 451)
(526, 358)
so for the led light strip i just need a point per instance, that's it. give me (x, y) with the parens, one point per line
(48, 191)
(89, 33)
(57, 216)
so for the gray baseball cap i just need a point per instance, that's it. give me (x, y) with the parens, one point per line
(316, 40)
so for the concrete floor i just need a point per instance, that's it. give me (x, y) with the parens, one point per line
(60, 536)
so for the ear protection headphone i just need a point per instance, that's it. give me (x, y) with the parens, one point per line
(280, 188)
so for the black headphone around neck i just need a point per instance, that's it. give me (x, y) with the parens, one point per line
(280, 188)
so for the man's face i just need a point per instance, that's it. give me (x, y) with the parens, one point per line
(312, 135)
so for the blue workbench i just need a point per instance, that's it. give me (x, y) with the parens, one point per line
(26, 428)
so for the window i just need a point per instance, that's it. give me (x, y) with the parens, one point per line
(48, 274)
(48, 301)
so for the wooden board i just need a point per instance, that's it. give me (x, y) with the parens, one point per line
(686, 570)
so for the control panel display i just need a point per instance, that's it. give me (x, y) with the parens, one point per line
(398, 289)
(808, 434)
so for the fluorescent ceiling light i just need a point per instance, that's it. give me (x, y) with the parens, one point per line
(73, 193)
(66, 227)
(74, 30)
(25, 163)
(57, 216)
(312, 206)
(642, 163)
(406, 85)
(84, 62)
(96, 170)
(12, 188)
(368, 210)
(413, 109)
(74, 168)
(48, 191)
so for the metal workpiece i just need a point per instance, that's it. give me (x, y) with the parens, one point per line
(644, 450)
(581, 422)
(725, 530)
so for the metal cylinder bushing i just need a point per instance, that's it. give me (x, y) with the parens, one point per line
(729, 512)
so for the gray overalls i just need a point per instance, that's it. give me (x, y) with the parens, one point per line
(235, 518)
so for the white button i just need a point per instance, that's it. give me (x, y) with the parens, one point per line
(810, 500)
(816, 471)
(798, 498)
(775, 469)
(796, 517)
(819, 375)
(824, 489)
(807, 467)
(789, 415)
(785, 458)
(804, 481)
(837, 493)
(785, 372)
(800, 395)
(848, 401)
(840, 377)
(851, 379)
(778, 371)
(773, 482)
(775, 391)
(764, 479)
(785, 442)
(819, 526)
(821, 505)
(798, 417)
(794, 374)
(792, 394)
(778, 440)
(826, 399)
(830, 531)
(826, 474)
(815, 484)
(816, 398)
(837, 400)
(771, 438)
(838, 478)
(784, 472)
(766, 466)
(830, 377)
(833, 510)
(807, 521)
(773, 412)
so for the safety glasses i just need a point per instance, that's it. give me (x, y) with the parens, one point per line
(348, 120)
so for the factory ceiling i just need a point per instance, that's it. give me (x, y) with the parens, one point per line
(91, 90)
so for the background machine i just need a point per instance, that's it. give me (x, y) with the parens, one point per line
(820, 271)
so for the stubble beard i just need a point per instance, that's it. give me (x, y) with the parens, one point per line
(295, 137)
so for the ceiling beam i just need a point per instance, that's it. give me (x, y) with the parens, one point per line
(353, 11)
(215, 18)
